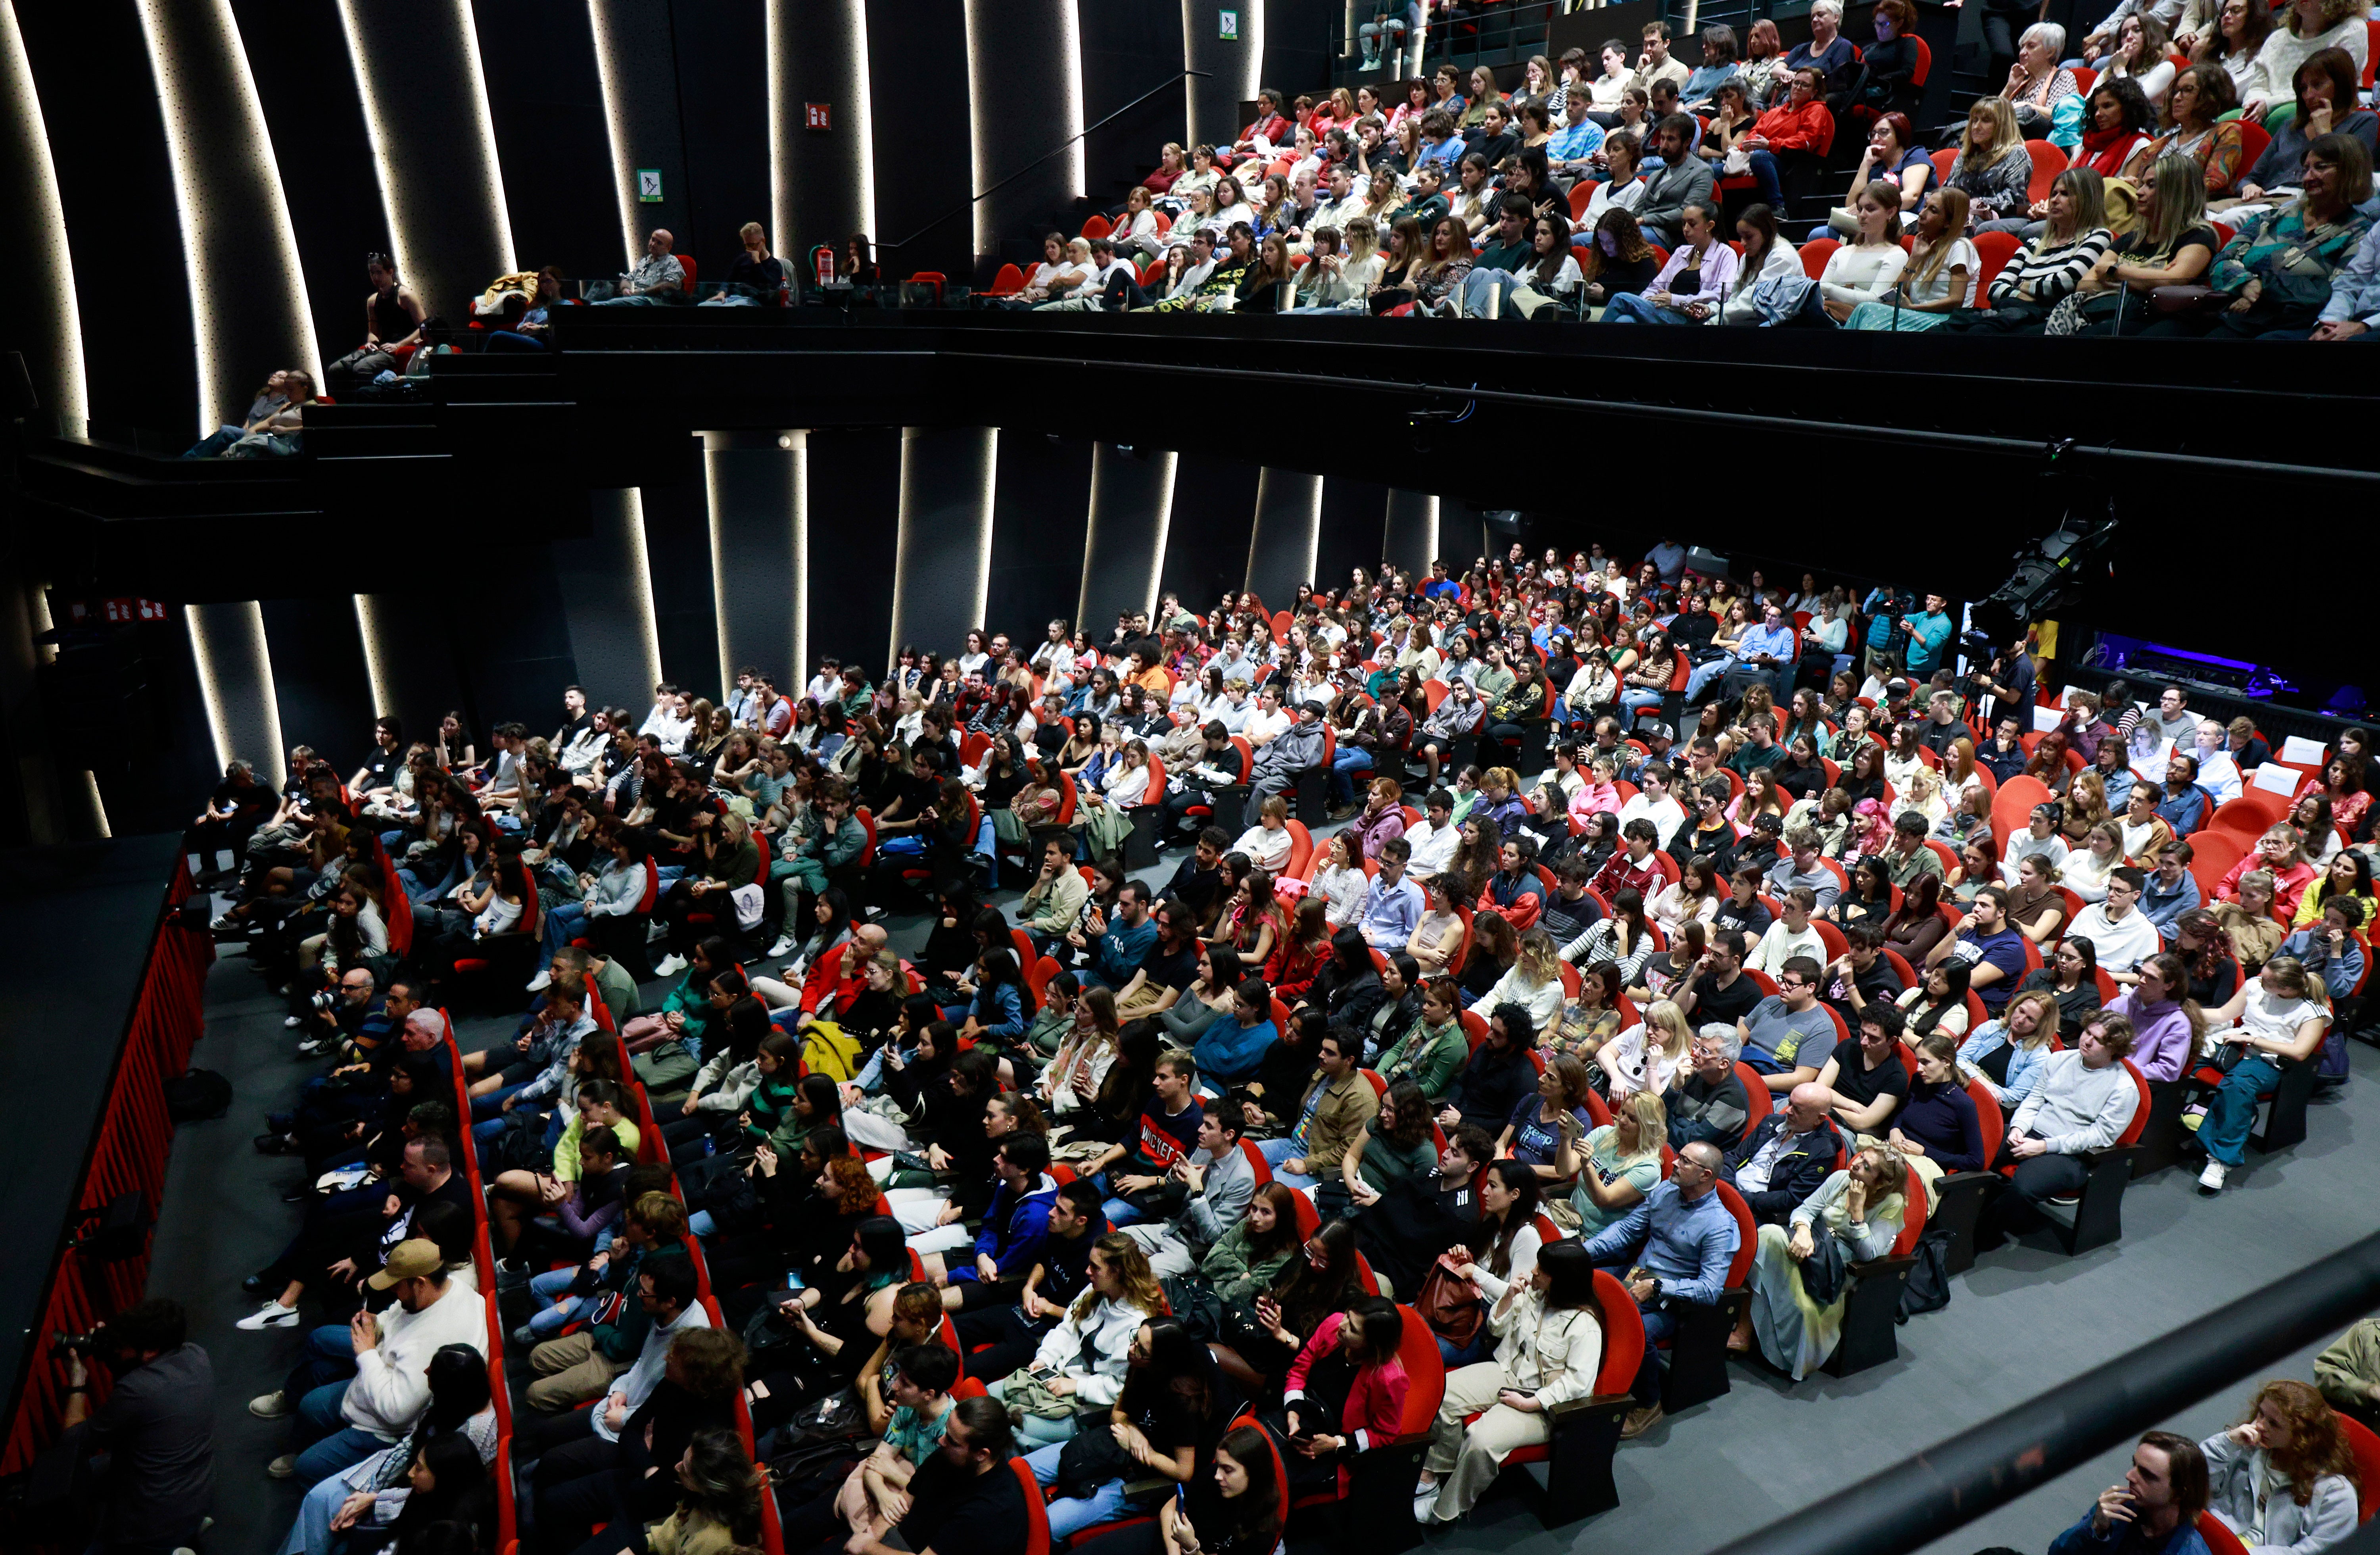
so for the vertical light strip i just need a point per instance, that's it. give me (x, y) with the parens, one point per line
(375, 670)
(204, 153)
(98, 805)
(1165, 525)
(862, 126)
(1252, 46)
(1314, 534)
(1431, 554)
(501, 208)
(979, 91)
(797, 445)
(640, 565)
(1070, 57)
(719, 563)
(983, 530)
(624, 177)
(48, 219)
(218, 665)
(367, 90)
(399, 249)
(780, 209)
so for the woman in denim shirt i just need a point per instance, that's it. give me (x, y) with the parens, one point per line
(2024, 1033)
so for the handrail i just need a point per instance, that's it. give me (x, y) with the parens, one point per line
(973, 198)
(1921, 1498)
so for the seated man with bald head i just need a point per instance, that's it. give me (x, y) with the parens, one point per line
(1787, 1155)
(658, 277)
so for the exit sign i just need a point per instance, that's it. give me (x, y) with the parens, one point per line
(1229, 24)
(817, 116)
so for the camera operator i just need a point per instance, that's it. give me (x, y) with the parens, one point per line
(2008, 680)
(153, 1440)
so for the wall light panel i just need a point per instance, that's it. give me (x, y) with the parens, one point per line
(224, 167)
(47, 222)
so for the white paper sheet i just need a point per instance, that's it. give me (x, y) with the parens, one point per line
(2273, 778)
(2304, 751)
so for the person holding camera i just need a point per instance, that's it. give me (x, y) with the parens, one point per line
(2008, 681)
(153, 1441)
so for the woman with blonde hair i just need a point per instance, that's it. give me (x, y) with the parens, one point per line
(1073, 1077)
(2006, 1054)
(2170, 244)
(1533, 980)
(2085, 869)
(1861, 1208)
(2248, 919)
(1622, 1161)
(1650, 1056)
(1993, 168)
(1083, 1362)
(2084, 806)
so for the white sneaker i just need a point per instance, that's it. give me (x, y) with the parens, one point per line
(224, 923)
(272, 1405)
(291, 1022)
(272, 1315)
(784, 946)
(1426, 1505)
(669, 966)
(2211, 1180)
(537, 984)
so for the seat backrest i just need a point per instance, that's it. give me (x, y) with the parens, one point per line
(1623, 1334)
(2048, 162)
(1814, 255)
(1475, 1027)
(1756, 1091)
(1747, 1242)
(2365, 1445)
(1912, 1214)
(1037, 1511)
(2131, 1134)
(1988, 1115)
(1425, 1373)
(2220, 1540)
(1256, 1161)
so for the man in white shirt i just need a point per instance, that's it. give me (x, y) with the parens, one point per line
(351, 1406)
(827, 684)
(1435, 839)
(1266, 723)
(1791, 935)
(2218, 772)
(1653, 802)
(1343, 205)
(2117, 930)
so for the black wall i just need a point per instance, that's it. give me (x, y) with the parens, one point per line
(545, 98)
(1038, 513)
(918, 85)
(1206, 545)
(854, 509)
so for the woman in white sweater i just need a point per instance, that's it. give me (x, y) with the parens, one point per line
(1869, 266)
(1090, 1348)
(1766, 255)
(2281, 1478)
(1548, 1345)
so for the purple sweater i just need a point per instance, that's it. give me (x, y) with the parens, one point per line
(2163, 1045)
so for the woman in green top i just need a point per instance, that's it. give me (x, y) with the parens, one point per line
(1624, 1159)
(1429, 1054)
(1398, 1145)
(817, 1102)
(1253, 1253)
(687, 1015)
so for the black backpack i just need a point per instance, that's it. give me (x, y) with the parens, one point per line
(1929, 1289)
(196, 1094)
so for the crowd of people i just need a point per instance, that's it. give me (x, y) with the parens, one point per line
(1627, 188)
(1129, 1176)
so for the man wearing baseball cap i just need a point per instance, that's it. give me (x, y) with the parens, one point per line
(364, 1386)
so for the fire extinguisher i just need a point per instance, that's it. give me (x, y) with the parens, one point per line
(825, 257)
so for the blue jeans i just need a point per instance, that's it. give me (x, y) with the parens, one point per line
(551, 1319)
(642, 299)
(1641, 701)
(1275, 1152)
(1659, 1326)
(1069, 1515)
(1703, 675)
(2231, 1111)
(1764, 173)
(311, 1533)
(212, 445)
(1480, 285)
(1349, 758)
(1630, 308)
(565, 921)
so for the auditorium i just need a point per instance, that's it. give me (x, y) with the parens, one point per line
(892, 775)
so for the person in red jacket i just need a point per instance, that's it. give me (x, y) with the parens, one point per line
(1801, 123)
(1346, 1392)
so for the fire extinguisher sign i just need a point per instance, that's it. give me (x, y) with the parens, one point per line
(817, 116)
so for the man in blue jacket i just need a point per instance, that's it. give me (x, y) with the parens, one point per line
(1676, 1246)
(1016, 1228)
(1786, 1156)
(2154, 1512)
